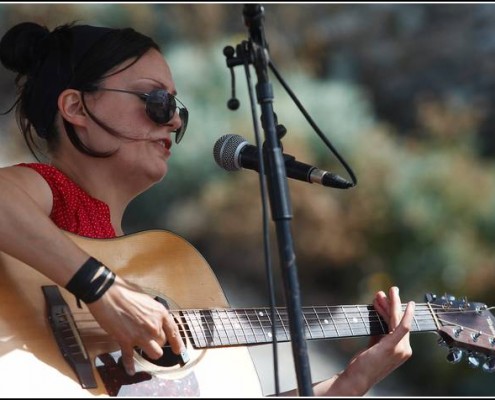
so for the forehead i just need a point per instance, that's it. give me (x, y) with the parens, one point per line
(152, 66)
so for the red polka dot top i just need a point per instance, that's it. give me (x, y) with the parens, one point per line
(73, 209)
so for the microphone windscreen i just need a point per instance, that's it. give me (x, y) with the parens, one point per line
(226, 151)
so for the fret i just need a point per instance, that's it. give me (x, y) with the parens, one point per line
(415, 322)
(194, 333)
(425, 319)
(209, 324)
(308, 328)
(333, 322)
(197, 331)
(219, 317)
(318, 329)
(286, 335)
(347, 320)
(258, 314)
(250, 324)
(378, 327)
(248, 336)
(319, 322)
(367, 328)
(364, 316)
(270, 328)
(236, 334)
(237, 329)
(329, 327)
(356, 321)
(336, 321)
(344, 322)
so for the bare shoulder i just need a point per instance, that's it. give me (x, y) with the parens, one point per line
(30, 182)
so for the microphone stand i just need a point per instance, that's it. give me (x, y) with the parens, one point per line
(278, 191)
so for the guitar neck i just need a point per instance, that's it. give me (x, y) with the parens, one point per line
(249, 326)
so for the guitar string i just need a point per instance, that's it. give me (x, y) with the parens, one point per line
(224, 314)
(218, 323)
(347, 322)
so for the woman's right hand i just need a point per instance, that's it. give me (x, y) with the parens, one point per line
(134, 318)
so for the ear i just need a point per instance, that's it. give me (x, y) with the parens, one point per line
(71, 107)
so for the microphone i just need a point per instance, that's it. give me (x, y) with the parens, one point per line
(232, 153)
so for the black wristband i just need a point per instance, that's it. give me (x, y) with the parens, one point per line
(91, 281)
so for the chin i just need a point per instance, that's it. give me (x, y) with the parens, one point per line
(158, 175)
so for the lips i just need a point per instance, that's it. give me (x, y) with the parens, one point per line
(166, 143)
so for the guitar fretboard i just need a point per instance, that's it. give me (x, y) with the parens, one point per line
(245, 326)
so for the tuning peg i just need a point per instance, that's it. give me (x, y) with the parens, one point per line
(455, 355)
(475, 359)
(450, 298)
(458, 330)
(489, 365)
(430, 297)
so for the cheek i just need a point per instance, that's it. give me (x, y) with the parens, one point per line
(101, 141)
(131, 122)
(135, 125)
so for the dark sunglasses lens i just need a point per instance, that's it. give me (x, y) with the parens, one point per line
(160, 106)
(184, 117)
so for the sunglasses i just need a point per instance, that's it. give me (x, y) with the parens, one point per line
(161, 107)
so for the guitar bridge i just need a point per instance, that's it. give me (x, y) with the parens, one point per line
(67, 336)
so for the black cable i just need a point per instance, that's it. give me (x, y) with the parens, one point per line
(313, 124)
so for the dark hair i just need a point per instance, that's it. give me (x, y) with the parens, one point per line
(70, 56)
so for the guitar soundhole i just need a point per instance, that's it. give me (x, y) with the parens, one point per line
(169, 358)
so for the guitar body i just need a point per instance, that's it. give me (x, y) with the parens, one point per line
(163, 264)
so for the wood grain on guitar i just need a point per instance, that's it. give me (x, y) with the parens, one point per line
(216, 335)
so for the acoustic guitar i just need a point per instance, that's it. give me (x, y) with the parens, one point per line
(52, 347)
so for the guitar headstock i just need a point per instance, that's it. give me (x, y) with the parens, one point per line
(467, 328)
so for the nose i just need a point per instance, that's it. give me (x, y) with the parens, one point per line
(176, 121)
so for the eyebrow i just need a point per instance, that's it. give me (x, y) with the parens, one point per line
(173, 92)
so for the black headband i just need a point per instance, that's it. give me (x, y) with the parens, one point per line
(56, 71)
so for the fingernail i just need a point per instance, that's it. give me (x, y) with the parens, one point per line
(184, 355)
(130, 370)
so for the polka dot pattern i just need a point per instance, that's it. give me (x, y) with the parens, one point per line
(73, 209)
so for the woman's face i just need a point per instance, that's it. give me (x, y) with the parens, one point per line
(143, 147)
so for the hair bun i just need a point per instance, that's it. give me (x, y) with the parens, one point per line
(19, 47)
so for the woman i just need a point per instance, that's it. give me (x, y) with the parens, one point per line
(105, 103)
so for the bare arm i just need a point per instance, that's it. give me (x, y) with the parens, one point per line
(26, 231)
(28, 234)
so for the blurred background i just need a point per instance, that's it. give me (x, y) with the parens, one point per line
(404, 92)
